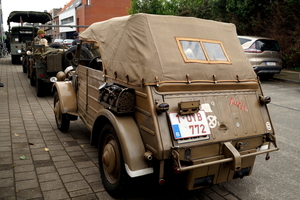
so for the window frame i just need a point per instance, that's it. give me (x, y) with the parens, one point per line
(201, 41)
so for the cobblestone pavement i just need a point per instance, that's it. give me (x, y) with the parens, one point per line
(37, 161)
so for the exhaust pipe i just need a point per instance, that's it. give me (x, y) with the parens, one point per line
(148, 155)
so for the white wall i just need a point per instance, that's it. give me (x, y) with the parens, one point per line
(65, 14)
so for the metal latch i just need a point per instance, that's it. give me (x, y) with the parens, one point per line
(190, 107)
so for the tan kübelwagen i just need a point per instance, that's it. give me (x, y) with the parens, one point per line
(167, 94)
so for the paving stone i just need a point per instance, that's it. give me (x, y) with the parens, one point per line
(230, 197)
(97, 186)
(6, 192)
(67, 170)
(85, 197)
(64, 164)
(81, 192)
(219, 190)
(56, 194)
(6, 173)
(89, 171)
(71, 177)
(48, 177)
(27, 184)
(44, 170)
(77, 185)
(215, 196)
(85, 164)
(24, 168)
(43, 163)
(93, 178)
(34, 193)
(25, 176)
(6, 182)
(51, 185)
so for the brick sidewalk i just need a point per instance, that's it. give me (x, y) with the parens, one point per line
(37, 161)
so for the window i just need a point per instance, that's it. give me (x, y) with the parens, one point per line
(202, 51)
(67, 20)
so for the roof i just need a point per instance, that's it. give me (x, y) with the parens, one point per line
(72, 4)
(145, 49)
(29, 16)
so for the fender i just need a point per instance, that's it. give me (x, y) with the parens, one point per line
(67, 96)
(130, 140)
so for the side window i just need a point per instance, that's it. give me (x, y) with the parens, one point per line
(202, 51)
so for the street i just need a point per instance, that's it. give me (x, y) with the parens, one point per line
(60, 165)
(278, 178)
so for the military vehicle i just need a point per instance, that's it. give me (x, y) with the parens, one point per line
(21, 37)
(166, 95)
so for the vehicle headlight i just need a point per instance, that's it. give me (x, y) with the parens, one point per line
(19, 51)
(28, 53)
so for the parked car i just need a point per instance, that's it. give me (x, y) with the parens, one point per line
(59, 41)
(163, 99)
(264, 55)
(68, 42)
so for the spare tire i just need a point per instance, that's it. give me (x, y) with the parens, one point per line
(85, 54)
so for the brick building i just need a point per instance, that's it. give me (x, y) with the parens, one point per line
(86, 12)
(99, 10)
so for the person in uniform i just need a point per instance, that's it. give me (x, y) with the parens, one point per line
(76, 39)
(40, 35)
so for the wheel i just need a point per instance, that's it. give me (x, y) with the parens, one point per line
(84, 54)
(40, 88)
(24, 65)
(62, 122)
(33, 79)
(28, 72)
(94, 64)
(15, 59)
(111, 164)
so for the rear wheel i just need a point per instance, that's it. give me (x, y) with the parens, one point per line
(40, 88)
(62, 122)
(111, 163)
(33, 79)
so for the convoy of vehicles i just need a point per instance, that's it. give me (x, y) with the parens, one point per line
(39, 61)
(164, 99)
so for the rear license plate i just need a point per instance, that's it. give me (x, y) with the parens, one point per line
(187, 126)
(271, 63)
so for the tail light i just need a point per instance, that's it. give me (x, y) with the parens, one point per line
(252, 51)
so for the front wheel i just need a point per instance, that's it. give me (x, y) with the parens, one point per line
(111, 163)
(62, 122)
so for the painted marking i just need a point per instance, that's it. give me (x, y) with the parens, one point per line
(212, 121)
(206, 107)
(237, 103)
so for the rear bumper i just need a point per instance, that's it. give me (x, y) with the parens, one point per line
(267, 70)
(228, 165)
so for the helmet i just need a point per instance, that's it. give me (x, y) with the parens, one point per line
(75, 34)
(40, 31)
(60, 76)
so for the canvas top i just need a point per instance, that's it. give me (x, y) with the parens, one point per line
(154, 49)
(29, 16)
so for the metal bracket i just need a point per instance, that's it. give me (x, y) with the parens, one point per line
(190, 107)
(230, 151)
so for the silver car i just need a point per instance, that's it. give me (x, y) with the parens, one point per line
(264, 55)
